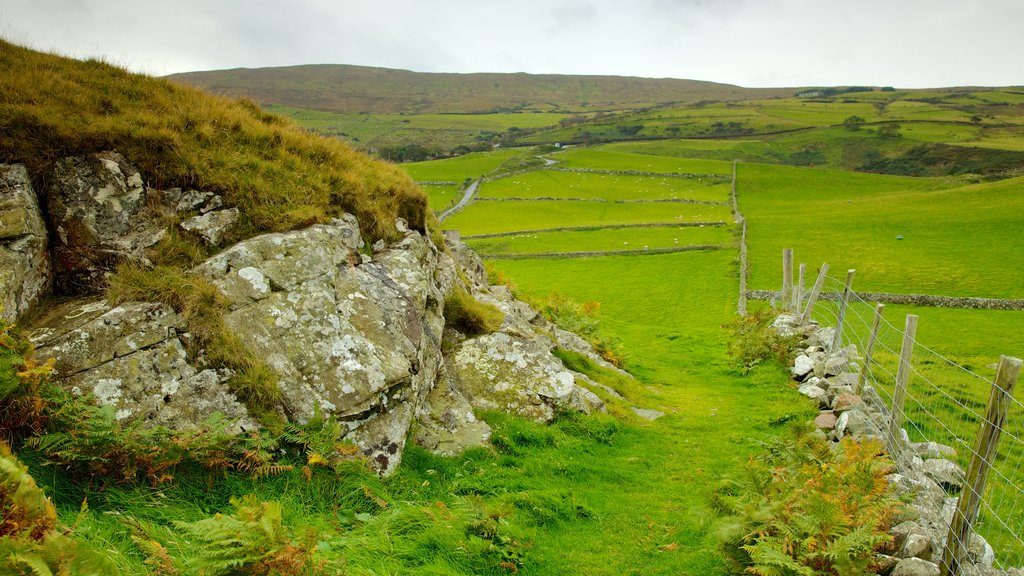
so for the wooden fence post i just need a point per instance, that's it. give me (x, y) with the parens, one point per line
(999, 402)
(787, 279)
(812, 299)
(837, 340)
(902, 377)
(865, 369)
(800, 288)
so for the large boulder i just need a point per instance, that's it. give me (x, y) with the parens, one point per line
(518, 375)
(357, 341)
(131, 358)
(24, 262)
(97, 207)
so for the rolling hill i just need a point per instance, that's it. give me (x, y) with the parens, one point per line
(344, 88)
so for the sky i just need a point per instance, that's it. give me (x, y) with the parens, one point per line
(753, 43)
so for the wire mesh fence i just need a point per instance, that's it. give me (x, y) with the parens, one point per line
(945, 403)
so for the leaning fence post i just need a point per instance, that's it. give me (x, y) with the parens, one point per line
(981, 461)
(787, 279)
(800, 288)
(902, 377)
(869, 351)
(813, 298)
(837, 340)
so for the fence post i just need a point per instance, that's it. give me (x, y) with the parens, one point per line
(837, 340)
(812, 299)
(865, 368)
(981, 461)
(787, 279)
(902, 377)
(800, 288)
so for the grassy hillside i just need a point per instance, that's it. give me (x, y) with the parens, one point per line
(280, 176)
(343, 88)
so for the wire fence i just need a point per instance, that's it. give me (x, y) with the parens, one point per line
(944, 402)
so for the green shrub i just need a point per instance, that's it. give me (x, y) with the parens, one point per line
(468, 315)
(581, 318)
(754, 340)
(804, 509)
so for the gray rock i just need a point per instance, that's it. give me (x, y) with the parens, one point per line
(447, 424)
(980, 552)
(97, 206)
(916, 545)
(192, 200)
(647, 413)
(933, 450)
(131, 358)
(519, 376)
(24, 261)
(814, 393)
(212, 225)
(947, 473)
(802, 366)
(915, 567)
(884, 564)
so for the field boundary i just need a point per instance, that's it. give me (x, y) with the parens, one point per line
(565, 255)
(963, 302)
(595, 228)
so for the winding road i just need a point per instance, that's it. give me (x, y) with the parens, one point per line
(466, 198)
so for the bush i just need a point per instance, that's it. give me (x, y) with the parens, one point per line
(753, 340)
(806, 509)
(581, 318)
(470, 316)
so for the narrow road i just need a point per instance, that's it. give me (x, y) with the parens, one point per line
(466, 197)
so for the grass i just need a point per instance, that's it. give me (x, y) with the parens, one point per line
(442, 195)
(274, 172)
(471, 166)
(490, 217)
(556, 184)
(956, 238)
(603, 239)
(608, 158)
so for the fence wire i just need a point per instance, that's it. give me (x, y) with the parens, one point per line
(945, 403)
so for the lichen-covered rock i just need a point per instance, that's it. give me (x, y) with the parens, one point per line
(946, 472)
(131, 358)
(97, 206)
(446, 422)
(517, 375)
(357, 341)
(915, 567)
(212, 225)
(24, 261)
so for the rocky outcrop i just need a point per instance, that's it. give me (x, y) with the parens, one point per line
(132, 358)
(347, 335)
(24, 261)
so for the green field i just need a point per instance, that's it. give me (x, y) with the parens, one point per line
(608, 158)
(469, 166)
(491, 217)
(583, 185)
(442, 195)
(604, 239)
(957, 239)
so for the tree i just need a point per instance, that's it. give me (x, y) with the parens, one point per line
(853, 122)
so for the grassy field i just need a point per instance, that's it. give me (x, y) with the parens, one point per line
(442, 195)
(491, 217)
(558, 184)
(956, 239)
(471, 166)
(600, 240)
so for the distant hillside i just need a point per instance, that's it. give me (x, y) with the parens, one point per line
(342, 88)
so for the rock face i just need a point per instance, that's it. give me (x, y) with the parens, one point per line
(132, 359)
(24, 262)
(347, 335)
(97, 208)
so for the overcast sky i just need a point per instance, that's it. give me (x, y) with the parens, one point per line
(904, 43)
